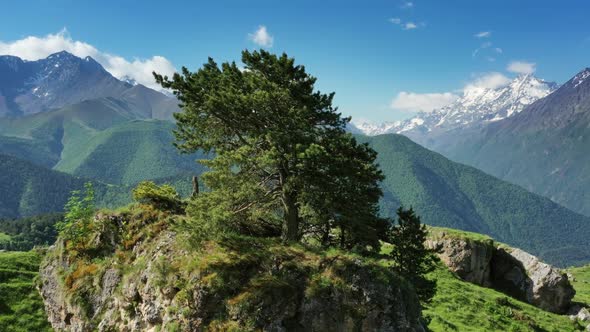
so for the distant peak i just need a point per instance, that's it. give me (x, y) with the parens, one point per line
(581, 77)
(61, 54)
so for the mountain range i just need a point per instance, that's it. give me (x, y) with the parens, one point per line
(450, 194)
(476, 107)
(530, 132)
(544, 148)
(61, 79)
(118, 134)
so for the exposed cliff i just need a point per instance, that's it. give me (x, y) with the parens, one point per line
(138, 272)
(477, 259)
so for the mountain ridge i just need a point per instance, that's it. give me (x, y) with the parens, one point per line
(543, 148)
(61, 79)
(477, 106)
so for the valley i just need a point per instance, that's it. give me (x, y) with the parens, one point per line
(441, 189)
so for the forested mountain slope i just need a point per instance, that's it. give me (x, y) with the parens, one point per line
(453, 195)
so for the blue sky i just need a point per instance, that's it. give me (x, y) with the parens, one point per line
(368, 52)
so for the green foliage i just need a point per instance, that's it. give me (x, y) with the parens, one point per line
(79, 211)
(282, 156)
(29, 190)
(411, 259)
(21, 307)
(162, 197)
(25, 233)
(448, 194)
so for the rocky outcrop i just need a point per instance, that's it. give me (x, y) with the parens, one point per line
(524, 276)
(469, 259)
(157, 284)
(509, 270)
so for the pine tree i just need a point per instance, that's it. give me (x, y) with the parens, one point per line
(411, 258)
(282, 157)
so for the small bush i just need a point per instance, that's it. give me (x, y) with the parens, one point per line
(77, 223)
(162, 197)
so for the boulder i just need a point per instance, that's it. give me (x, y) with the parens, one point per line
(525, 277)
(509, 270)
(579, 313)
(470, 260)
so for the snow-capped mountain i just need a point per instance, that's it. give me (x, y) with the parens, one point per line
(61, 79)
(477, 105)
(372, 129)
(544, 148)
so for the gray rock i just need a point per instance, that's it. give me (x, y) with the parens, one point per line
(509, 270)
(470, 260)
(577, 312)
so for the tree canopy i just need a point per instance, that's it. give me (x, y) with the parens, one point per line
(282, 156)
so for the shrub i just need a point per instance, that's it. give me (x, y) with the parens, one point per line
(77, 222)
(162, 197)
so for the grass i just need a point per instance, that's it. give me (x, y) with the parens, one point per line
(438, 232)
(581, 283)
(461, 306)
(21, 307)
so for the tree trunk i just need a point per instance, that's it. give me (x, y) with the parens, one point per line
(195, 187)
(289, 200)
(291, 224)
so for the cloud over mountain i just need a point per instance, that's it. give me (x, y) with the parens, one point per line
(140, 70)
(421, 102)
(521, 67)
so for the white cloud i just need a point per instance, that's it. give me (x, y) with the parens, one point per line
(425, 102)
(261, 37)
(35, 48)
(521, 67)
(491, 80)
(407, 4)
(410, 26)
(498, 50)
(428, 102)
(483, 34)
(406, 25)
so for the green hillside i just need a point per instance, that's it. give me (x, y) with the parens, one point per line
(127, 153)
(104, 139)
(453, 195)
(97, 140)
(27, 189)
(544, 148)
(21, 307)
(40, 138)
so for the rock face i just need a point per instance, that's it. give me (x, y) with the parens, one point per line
(509, 270)
(157, 285)
(526, 277)
(470, 260)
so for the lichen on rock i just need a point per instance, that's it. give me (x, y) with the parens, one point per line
(151, 278)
